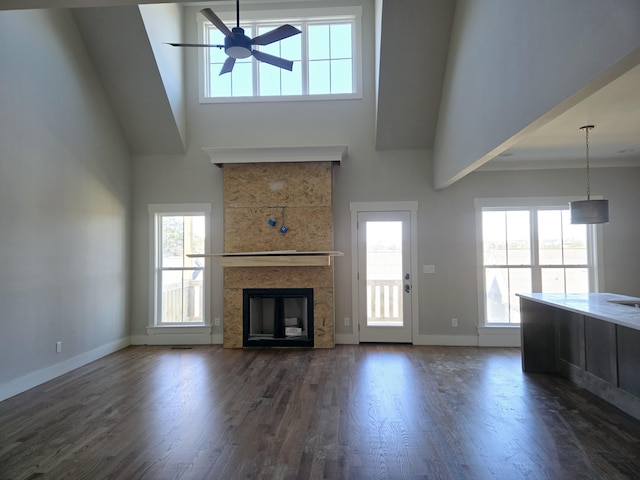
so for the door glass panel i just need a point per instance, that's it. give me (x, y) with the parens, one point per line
(384, 273)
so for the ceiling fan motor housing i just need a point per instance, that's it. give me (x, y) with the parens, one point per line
(238, 46)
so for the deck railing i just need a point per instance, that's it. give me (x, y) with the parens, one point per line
(384, 302)
(183, 304)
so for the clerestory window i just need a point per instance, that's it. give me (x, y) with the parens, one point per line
(326, 58)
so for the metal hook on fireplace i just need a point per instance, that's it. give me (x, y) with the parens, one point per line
(272, 219)
(283, 229)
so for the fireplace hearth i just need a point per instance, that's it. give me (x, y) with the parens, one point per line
(278, 317)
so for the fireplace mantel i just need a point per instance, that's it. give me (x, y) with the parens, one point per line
(286, 258)
(221, 156)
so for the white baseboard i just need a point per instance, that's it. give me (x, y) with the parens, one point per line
(33, 379)
(177, 336)
(447, 340)
(498, 337)
(495, 339)
(347, 339)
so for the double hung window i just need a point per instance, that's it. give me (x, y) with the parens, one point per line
(179, 281)
(530, 248)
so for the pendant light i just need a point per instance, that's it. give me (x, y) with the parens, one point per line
(589, 211)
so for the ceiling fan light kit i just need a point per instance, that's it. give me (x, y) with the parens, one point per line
(238, 45)
(589, 211)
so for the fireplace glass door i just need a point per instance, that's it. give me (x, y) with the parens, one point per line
(278, 317)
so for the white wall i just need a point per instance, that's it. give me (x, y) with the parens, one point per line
(446, 217)
(64, 204)
(164, 21)
(511, 63)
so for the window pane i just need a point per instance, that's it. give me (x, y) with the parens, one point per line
(216, 55)
(291, 48)
(171, 296)
(341, 41)
(318, 42)
(560, 242)
(172, 230)
(220, 85)
(494, 238)
(193, 238)
(319, 79)
(292, 81)
(384, 273)
(497, 295)
(575, 241)
(341, 76)
(519, 282)
(241, 81)
(518, 238)
(550, 237)
(502, 285)
(577, 280)
(552, 280)
(182, 299)
(269, 79)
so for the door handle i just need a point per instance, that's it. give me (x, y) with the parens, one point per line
(407, 288)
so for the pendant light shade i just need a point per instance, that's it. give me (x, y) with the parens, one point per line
(589, 211)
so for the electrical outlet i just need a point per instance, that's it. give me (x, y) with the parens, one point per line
(216, 321)
(454, 322)
(58, 347)
(347, 321)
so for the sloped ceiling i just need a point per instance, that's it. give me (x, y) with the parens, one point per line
(412, 58)
(412, 61)
(123, 57)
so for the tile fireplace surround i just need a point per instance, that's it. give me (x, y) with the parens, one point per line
(254, 192)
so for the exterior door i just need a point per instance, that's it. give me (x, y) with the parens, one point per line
(384, 277)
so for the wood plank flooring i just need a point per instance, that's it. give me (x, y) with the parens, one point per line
(357, 412)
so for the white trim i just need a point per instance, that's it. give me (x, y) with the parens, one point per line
(499, 336)
(221, 156)
(410, 206)
(498, 164)
(447, 340)
(347, 339)
(289, 15)
(156, 209)
(33, 379)
(594, 235)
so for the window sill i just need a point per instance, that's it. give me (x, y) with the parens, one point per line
(493, 328)
(499, 336)
(177, 329)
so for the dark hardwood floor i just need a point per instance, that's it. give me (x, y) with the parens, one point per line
(359, 412)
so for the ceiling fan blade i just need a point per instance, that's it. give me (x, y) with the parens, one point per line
(219, 24)
(273, 60)
(280, 33)
(227, 66)
(194, 45)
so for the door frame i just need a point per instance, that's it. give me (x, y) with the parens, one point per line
(407, 206)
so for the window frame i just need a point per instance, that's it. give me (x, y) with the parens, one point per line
(280, 16)
(533, 204)
(156, 211)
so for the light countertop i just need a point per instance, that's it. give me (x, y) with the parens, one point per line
(596, 305)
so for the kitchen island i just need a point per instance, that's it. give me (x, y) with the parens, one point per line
(591, 338)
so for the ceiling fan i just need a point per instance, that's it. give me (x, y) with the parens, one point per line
(238, 45)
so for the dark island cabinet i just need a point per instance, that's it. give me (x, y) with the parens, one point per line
(594, 353)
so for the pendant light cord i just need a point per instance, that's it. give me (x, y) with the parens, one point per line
(586, 129)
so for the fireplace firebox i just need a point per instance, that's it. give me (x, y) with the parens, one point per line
(277, 317)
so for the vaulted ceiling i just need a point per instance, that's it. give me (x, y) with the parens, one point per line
(413, 38)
